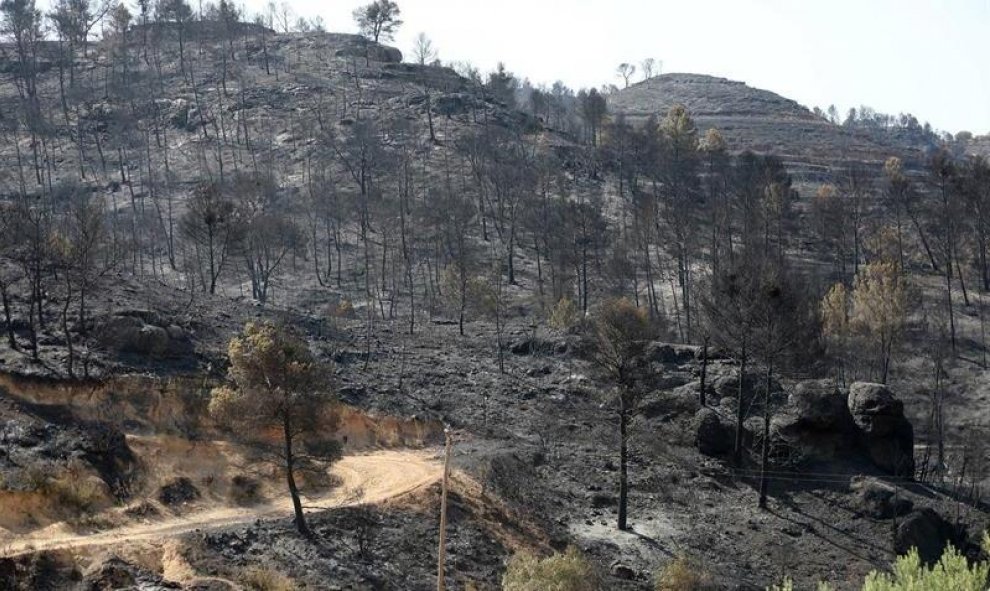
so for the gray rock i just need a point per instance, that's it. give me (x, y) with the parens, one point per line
(141, 333)
(925, 530)
(371, 51)
(713, 436)
(622, 571)
(455, 103)
(878, 500)
(682, 400)
(657, 352)
(820, 404)
(724, 382)
(884, 432)
(816, 421)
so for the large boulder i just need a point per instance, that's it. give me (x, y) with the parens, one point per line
(724, 382)
(682, 399)
(816, 421)
(925, 530)
(371, 51)
(713, 436)
(142, 333)
(884, 432)
(879, 500)
(666, 353)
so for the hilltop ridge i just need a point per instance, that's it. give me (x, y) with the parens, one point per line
(765, 122)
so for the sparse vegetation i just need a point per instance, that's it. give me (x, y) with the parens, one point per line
(74, 490)
(564, 315)
(953, 571)
(261, 578)
(910, 573)
(682, 574)
(568, 571)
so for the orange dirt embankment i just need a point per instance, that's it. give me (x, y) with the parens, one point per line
(177, 406)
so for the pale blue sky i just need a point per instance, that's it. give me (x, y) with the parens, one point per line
(927, 57)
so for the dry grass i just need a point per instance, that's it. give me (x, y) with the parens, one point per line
(69, 492)
(174, 566)
(569, 570)
(681, 574)
(76, 490)
(564, 315)
(261, 578)
(212, 466)
(20, 511)
(511, 528)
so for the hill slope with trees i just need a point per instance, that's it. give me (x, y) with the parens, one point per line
(686, 323)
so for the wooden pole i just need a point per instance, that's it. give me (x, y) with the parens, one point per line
(442, 554)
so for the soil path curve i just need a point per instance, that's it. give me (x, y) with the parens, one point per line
(365, 479)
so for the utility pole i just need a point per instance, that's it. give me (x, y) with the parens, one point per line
(442, 554)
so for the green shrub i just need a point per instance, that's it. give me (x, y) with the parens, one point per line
(569, 571)
(79, 495)
(952, 572)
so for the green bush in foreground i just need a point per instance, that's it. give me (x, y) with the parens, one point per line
(951, 573)
(571, 571)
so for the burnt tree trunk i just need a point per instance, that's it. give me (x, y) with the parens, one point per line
(290, 477)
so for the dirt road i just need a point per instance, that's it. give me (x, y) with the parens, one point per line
(371, 478)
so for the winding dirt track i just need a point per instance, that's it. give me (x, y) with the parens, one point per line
(365, 479)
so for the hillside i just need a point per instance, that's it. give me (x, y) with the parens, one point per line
(980, 145)
(764, 122)
(448, 261)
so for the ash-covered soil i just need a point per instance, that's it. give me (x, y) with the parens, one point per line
(536, 451)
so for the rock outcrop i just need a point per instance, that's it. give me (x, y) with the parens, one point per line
(883, 431)
(355, 46)
(713, 436)
(927, 531)
(138, 332)
(816, 421)
(879, 500)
